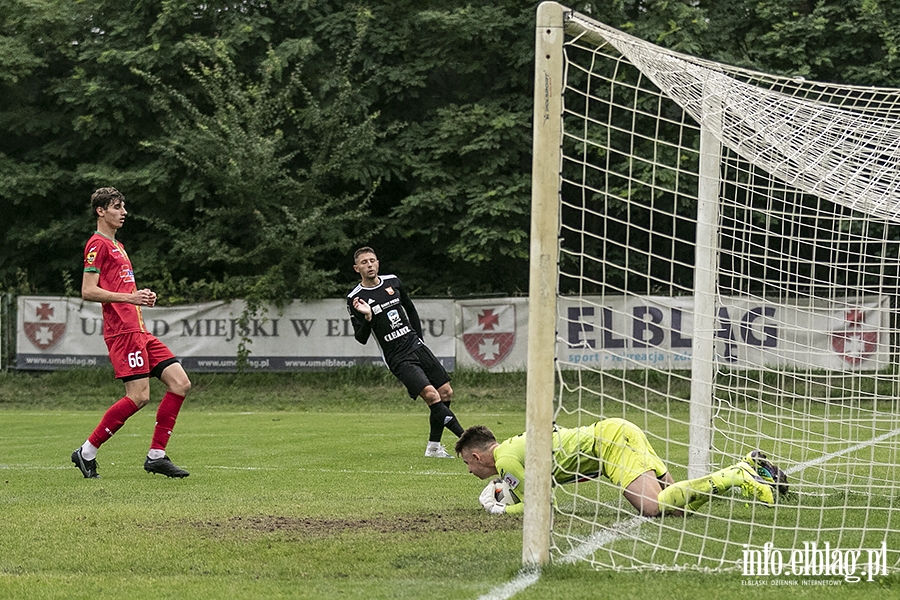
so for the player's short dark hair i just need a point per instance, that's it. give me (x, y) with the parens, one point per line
(363, 250)
(476, 437)
(103, 197)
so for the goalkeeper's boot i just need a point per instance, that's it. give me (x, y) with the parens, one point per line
(752, 485)
(88, 468)
(436, 450)
(164, 466)
(692, 494)
(768, 471)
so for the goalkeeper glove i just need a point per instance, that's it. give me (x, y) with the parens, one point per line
(495, 508)
(490, 503)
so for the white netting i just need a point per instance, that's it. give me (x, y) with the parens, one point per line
(807, 248)
(839, 143)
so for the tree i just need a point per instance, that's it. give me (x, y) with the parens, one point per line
(274, 175)
(404, 124)
(455, 80)
(204, 151)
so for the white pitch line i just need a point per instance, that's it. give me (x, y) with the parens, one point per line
(5, 467)
(529, 576)
(349, 471)
(34, 467)
(525, 579)
(830, 455)
(601, 538)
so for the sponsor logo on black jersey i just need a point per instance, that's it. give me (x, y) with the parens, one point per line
(396, 334)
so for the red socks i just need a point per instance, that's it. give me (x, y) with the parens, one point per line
(165, 420)
(118, 413)
(112, 420)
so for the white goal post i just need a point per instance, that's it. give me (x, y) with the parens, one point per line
(715, 256)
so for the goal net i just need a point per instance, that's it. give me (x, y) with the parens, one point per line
(728, 251)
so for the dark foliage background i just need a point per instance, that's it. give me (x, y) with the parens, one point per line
(258, 143)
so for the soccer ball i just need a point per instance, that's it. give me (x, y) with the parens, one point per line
(503, 494)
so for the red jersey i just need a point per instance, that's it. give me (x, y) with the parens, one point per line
(108, 258)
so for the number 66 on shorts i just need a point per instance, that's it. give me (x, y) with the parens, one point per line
(135, 354)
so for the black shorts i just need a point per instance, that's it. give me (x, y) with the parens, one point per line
(419, 369)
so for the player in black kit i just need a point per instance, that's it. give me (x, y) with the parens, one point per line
(381, 305)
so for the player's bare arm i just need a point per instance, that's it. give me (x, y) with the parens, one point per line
(92, 292)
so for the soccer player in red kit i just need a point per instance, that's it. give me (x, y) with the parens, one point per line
(136, 355)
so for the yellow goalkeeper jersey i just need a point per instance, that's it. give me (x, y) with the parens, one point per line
(615, 448)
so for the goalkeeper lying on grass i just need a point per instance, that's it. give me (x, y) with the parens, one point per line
(620, 451)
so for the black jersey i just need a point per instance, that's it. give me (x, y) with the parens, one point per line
(395, 322)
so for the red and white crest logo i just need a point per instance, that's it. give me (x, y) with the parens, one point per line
(489, 332)
(44, 322)
(857, 340)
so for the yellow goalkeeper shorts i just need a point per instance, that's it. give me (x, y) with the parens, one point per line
(626, 451)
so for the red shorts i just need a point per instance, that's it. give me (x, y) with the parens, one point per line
(135, 355)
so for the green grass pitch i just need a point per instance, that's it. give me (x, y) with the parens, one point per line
(301, 487)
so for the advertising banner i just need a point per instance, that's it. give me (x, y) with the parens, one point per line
(656, 332)
(303, 336)
(595, 332)
(493, 334)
